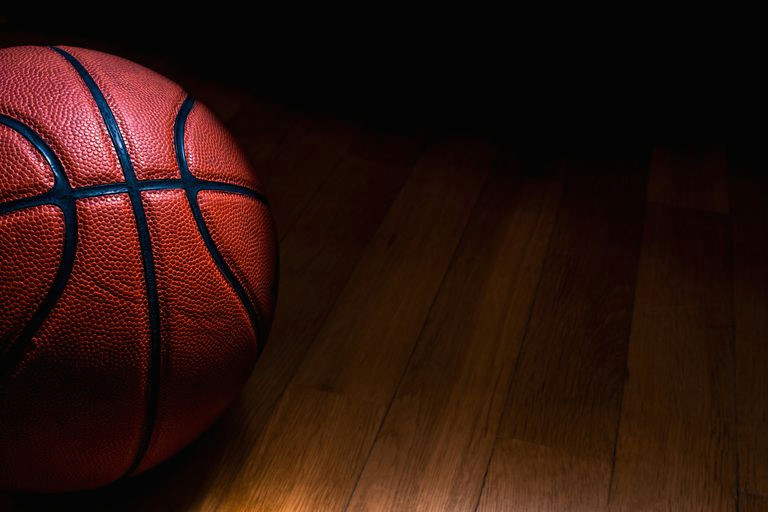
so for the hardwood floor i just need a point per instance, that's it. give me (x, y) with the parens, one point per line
(750, 274)
(434, 443)
(559, 426)
(461, 327)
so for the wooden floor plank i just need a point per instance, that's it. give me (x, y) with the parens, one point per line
(750, 243)
(314, 445)
(676, 448)
(560, 421)
(531, 477)
(436, 439)
(752, 503)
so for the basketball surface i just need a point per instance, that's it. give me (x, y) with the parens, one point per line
(137, 268)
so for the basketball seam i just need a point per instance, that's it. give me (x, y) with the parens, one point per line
(51, 197)
(145, 246)
(60, 195)
(192, 190)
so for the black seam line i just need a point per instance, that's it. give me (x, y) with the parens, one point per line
(192, 186)
(168, 184)
(60, 196)
(145, 245)
(54, 197)
(30, 202)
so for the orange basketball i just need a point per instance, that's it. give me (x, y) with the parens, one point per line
(137, 268)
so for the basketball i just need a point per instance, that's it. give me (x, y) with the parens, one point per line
(138, 268)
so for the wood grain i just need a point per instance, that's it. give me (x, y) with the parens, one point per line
(750, 262)
(316, 442)
(536, 478)
(676, 448)
(752, 503)
(560, 422)
(433, 447)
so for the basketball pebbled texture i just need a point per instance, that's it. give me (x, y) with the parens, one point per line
(138, 268)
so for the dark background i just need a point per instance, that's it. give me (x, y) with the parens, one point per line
(548, 82)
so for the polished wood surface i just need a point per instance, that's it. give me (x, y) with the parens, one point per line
(465, 325)
(750, 275)
(559, 426)
(435, 440)
(676, 442)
